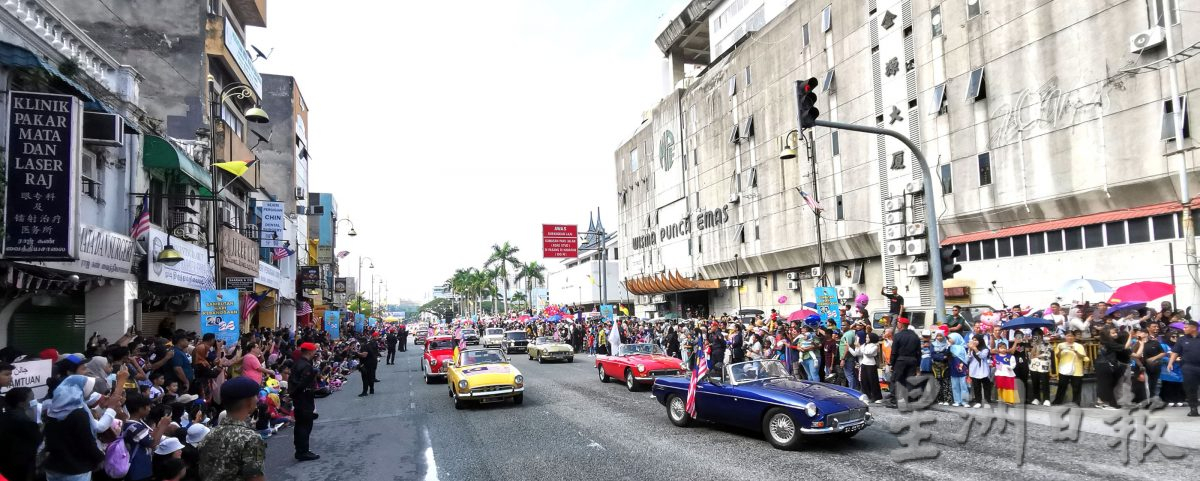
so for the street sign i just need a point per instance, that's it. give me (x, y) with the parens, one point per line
(560, 241)
(240, 283)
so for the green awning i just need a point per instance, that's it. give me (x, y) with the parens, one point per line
(158, 153)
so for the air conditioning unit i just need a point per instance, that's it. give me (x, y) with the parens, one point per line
(299, 193)
(916, 247)
(187, 225)
(792, 276)
(190, 203)
(893, 232)
(916, 229)
(316, 210)
(845, 292)
(1145, 40)
(914, 187)
(794, 285)
(918, 269)
(806, 274)
(815, 271)
(894, 248)
(893, 204)
(893, 218)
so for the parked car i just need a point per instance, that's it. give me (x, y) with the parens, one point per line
(492, 337)
(761, 395)
(921, 317)
(438, 350)
(638, 364)
(515, 341)
(484, 376)
(546, 349)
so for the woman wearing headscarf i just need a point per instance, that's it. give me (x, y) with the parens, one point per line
(71, 449)
(98, 368)
(868, 362)
(941, 367)
(958, 367)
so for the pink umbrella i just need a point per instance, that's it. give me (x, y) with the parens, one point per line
(800, 315)
(524, 318)
(1144, 291)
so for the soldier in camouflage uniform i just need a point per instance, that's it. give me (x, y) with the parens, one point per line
(233, 451)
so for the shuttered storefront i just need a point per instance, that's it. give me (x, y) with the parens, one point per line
(61, 325)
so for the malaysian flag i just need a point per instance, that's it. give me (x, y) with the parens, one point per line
(304, 309)
(141, 225)
(698, 372)
(281, 253)
(812, 202)
(343, 254)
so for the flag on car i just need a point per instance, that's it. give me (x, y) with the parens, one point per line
(141, 225)
(698, 371)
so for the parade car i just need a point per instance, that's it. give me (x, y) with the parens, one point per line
(484, 376)
(492, 337)
(515, 341)
(471, 336)
(762, 395)
(420, 334)
(546, 349)
(638, 365)
(438, 350)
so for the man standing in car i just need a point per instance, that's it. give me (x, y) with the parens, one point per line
(906, 357)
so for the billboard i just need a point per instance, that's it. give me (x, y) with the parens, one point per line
(560, 241)
(219, 313)
(42, 177)
(333, 321)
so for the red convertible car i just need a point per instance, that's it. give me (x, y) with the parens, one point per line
(638, 365)
(438, 350)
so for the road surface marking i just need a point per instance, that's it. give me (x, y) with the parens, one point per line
(593, 444)
(431, 473)
(412, 405)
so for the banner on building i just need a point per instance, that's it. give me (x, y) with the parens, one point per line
(42, 176)
(333, 322)
(360, 320)
(827, 305)
(239, 253)
(31, 374)
(606, 311)
(194, 272)
(560, 241)
(219, 314)
(310, 277)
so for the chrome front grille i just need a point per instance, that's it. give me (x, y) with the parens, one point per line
(488, 389)
(852, 416)
(665, 372)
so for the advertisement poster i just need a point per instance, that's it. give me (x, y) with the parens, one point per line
(333, 322)
(310, 277)
(372, 321)
(219, 313)
(42, 177)
(606, 311)
(827, 305)
(360, 320)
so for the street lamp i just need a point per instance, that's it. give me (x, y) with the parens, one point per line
(241, 91)
(352, 233)
(790, 141)
(169, 256)
(360, 278)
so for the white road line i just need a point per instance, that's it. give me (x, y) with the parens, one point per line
(431, 473)
(593, 444)
(412, 405)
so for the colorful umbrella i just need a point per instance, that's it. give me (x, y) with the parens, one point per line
(1028, 323)
(1084, 290)
(1177, 325)
(800, 315)
(524, 317)
(1144, 291)
(1126, 305)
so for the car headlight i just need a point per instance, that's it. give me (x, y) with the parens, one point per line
(810, 409)
(864, 398)
(433, 362)
(462, 384)
(683, 365)
(519, 380)
(641, 367)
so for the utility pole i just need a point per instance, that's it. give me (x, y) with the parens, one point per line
(1185, 196)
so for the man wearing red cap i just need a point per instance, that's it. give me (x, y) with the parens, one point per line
(302, 384)
(906, 357)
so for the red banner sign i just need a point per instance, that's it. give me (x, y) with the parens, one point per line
(560, 241)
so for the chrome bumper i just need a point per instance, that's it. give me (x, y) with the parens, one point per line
(505, 392)
(855, 425)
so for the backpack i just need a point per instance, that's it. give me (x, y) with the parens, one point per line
(117, 459)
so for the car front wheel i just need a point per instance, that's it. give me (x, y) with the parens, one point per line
(629, 382)
(781, 429)
(677, 411)
(603, 377)
(459, 403)
(540, 360)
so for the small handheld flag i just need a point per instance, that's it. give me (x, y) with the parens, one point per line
(698, 372)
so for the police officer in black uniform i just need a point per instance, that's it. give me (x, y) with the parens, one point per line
(1187, 351)
(302, 384)
(906, 357)
(403, 338)
(368, 352)
(391, 347)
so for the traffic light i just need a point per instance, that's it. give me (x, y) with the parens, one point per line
(806, 92)
(949, 266)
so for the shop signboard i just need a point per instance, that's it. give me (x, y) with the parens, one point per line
(560, 241)
(339, 285)
(219, 313)
(333, 323)
(310, 277)
(101, 253)
(269, 276)
(239, 283)
(827, 305)
(194, 272)
(31, 374)
(324, 254)
(41, 187)
(239, 253)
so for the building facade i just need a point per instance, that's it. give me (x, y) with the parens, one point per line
(1026, 125)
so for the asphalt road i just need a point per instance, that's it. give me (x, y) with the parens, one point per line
(571, 426)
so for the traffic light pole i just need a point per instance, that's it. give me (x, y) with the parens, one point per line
(934, 237)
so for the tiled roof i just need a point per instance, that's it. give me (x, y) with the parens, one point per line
(1049, 225)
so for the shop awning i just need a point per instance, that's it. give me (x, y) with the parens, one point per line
(667, 283)
(158, 153)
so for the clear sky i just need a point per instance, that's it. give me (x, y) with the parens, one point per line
(443, 127)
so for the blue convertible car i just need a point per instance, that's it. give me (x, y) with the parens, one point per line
(762, 395)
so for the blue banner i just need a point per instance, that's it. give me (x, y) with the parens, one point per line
(219, 314)
(827, 305)
(359, 320)
(333, 324)
(372, 321)
(607, 311)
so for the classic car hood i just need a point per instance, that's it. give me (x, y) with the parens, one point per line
(486, 374)
(554, 346)
(441, 354)
(822, 394)
(652, 361)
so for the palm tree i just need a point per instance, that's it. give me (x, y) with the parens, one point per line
(482, 286)
(460, 284)
(503, 256)
(519, 299)
(532, 273)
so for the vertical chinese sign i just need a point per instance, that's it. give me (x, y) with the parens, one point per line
(43, 176)
(560, 241)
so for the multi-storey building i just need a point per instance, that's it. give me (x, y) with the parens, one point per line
(1048, 142)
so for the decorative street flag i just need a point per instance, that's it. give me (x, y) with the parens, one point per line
(281, 253)
(343, 254)
(304, 309)
(698, 372)
(252, 301)
(236, 167)
(141, 226)
(812, 202)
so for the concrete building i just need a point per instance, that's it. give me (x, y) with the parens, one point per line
(88, 105)
(1073, 133)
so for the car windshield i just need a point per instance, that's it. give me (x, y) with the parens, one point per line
(541, 340)
(468, 332)
(470, 358)
(444, 344)
(517, 335)
(756, 371)
(632, 349)
(493, 332)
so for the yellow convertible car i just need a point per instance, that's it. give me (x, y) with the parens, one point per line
(547, 349)
(484, 376)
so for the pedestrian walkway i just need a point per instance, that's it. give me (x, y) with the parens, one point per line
(1181, 430)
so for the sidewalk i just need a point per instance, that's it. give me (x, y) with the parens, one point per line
(1181, 430)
